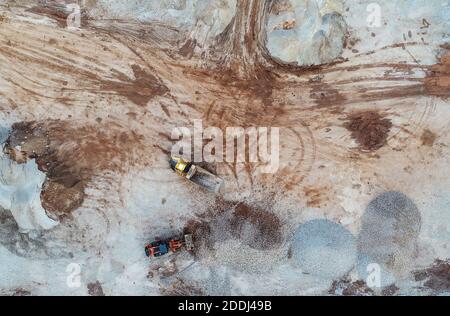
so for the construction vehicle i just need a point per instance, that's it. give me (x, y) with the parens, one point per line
(196, 174)
(160, 248)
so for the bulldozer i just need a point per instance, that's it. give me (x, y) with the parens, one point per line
(196, 174)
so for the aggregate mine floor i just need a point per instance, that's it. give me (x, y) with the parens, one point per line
(364, 171)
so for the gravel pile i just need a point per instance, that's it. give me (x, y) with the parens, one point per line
(388, 237)
(324, 249)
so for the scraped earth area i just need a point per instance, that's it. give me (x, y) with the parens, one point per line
(358, 204)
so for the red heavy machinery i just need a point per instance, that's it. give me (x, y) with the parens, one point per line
(160, 248)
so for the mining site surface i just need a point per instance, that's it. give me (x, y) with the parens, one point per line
(351, 198)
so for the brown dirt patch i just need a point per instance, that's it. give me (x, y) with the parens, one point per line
(70, 153)
(30, 138)
(59, 200)
(71, 156)
(187, 50)
(437, 81)
(369, 129)
(325, 96)
(57, 12)
(140, 90)
(260, 88)
(315, 197)
(95, 289)
(436, 277)
(428, 138)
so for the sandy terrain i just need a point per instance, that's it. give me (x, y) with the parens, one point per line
(86, 121)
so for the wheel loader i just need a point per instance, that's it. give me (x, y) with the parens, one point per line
(160, 248)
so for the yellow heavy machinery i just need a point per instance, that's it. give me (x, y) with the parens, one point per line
(196, 174)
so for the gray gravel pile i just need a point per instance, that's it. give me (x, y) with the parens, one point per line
(324, 249)
(390, 228)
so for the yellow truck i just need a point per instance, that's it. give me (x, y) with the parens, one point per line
(196, 174)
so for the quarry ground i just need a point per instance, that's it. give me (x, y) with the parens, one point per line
(364, 160)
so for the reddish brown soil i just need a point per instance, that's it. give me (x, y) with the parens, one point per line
(260, 86)
(60, 200)
(57, 12)
(325, 96)
(187, 50)
(437, 82)
(369, 129)
(30, 137)
(139, 90)
(71, 156)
